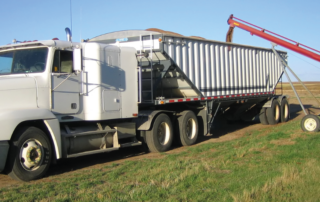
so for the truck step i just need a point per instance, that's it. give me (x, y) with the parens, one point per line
(131, 144)
(92, 152)
(90, 133)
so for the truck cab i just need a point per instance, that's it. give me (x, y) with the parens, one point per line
(60, 90)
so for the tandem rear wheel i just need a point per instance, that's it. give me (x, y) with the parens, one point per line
(159, 138)
(276, 113)
(188, 128)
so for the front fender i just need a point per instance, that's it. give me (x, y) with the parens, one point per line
(10, 119)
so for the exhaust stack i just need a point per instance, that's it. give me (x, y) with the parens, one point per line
(69, 35)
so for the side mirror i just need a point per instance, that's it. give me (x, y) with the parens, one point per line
(77, 67)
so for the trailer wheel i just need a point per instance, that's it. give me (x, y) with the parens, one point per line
(188, 128)
(159, 138)
(263, 116)
(310, 123)
(284, 110)
(30, 154)
(273, 113)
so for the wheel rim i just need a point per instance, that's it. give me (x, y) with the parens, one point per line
(310, 124)
(191, 128)
(286, 111)
(31, 154)
(276, 112)
(163, 133)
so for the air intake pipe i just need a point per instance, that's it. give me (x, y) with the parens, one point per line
(69, 35)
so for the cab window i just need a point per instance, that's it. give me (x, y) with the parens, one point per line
(63, 62)
(23, 61)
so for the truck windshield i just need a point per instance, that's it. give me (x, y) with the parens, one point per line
(23, 61)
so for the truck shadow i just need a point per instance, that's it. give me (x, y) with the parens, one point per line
(73, 164)
(220, 128)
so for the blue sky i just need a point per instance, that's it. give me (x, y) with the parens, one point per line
(44, 19)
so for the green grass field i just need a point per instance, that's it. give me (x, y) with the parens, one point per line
(278, 163)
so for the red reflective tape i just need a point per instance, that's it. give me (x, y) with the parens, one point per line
(209, 98)
(215, 97)
(171, 100)
(203, 98)
(188, 99)
(243, 94)
(180, 100)
(195, 99)
(221, 96)
(227, 96)
(232, 95)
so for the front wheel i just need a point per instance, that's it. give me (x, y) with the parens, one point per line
(30, 154)
(159, 138)
(310, 123)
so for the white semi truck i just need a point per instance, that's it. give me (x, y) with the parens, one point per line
(62, 99)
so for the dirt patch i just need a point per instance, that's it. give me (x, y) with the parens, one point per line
(222, 171)
(283, 142)
(259, 149)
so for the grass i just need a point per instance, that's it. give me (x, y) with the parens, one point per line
(273, 164)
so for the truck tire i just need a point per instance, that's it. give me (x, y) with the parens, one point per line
(159, 138)
(263, 116)
(273, 113)
(30, 154)
(310, 123)
(142, 138)
(188, 128)
(284, 110)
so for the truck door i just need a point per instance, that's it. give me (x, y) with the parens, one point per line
(65, 84)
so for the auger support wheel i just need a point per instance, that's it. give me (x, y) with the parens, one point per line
(310, 123)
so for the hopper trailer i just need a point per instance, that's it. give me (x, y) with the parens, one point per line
(63, 99)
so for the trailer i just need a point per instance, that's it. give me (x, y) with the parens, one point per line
(63, 99)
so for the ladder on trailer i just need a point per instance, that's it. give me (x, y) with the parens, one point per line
(146, 95)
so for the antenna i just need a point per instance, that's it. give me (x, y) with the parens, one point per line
(71, 14)
(80, 24)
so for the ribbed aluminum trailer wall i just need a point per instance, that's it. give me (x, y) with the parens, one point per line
(215, 68)
(218, 68)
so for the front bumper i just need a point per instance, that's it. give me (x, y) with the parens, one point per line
(4, 148)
